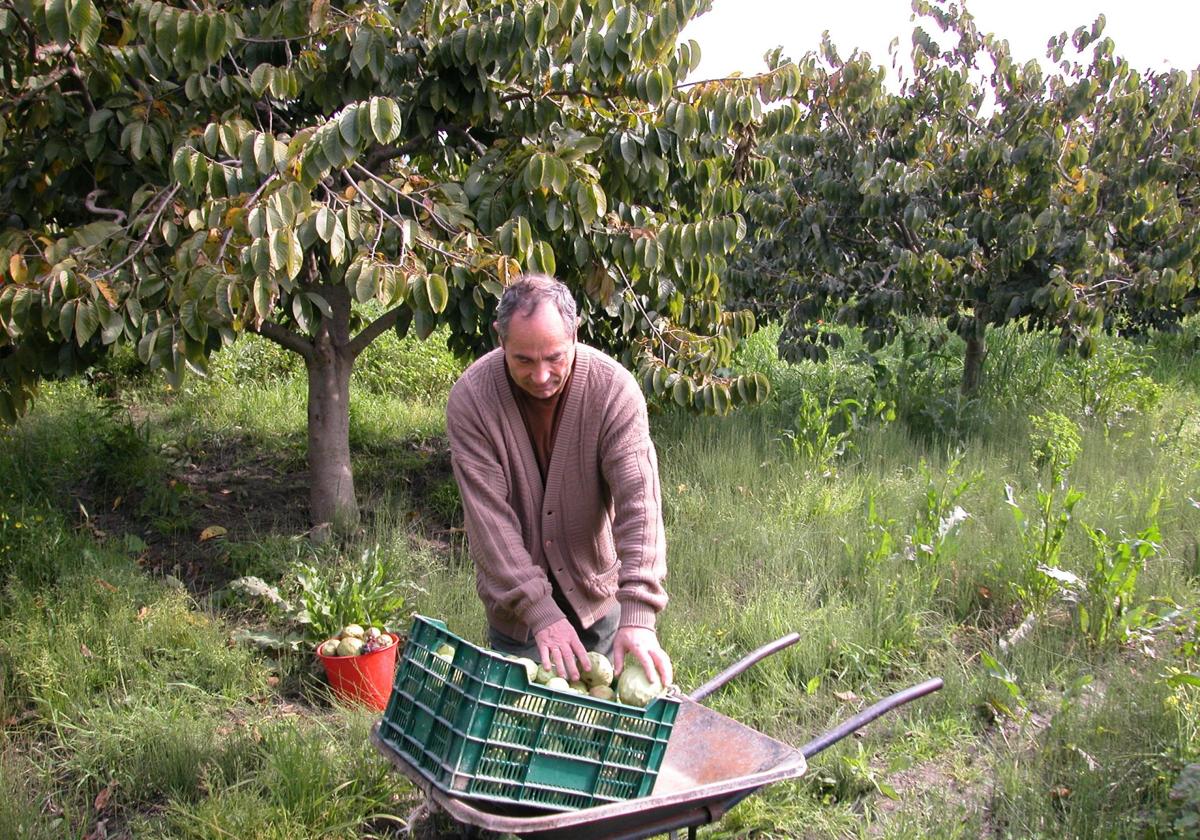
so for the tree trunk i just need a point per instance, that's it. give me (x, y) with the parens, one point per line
(331, 482)
(973, 363)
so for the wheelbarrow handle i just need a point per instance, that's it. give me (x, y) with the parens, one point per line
(739, 667)
(869, 714)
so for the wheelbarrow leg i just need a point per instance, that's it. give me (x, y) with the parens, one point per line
(429, 822)
(674, 835)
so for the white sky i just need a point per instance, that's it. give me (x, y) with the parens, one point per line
(1151, 34)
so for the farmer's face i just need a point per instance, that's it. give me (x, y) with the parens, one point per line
(539, 351)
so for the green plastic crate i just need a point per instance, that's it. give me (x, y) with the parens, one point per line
(476, 727)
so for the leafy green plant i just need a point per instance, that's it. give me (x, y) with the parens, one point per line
(1055, 444)
(1005, 696)
(1111, 384)
(362, 592)
(934, 535)
(1185, 796)
(823, 429)
(1106, 611)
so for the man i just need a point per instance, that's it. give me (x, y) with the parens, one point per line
(551, 449)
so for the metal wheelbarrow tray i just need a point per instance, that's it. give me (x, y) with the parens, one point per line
(711, 764)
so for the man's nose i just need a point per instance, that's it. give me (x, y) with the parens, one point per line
(541, 373)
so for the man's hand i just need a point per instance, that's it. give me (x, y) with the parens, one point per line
(560, 648)
(642, 643)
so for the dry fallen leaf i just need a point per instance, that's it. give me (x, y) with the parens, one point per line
(845, 696)
(106, 584)
(142, 613)
(86, 651)
(101, 801)
(213, 531)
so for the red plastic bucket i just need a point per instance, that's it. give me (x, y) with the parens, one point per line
(365, 678)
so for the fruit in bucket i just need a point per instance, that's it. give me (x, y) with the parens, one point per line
(354, 640)
(350, 646)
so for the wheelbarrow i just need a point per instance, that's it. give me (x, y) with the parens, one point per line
(711, 764)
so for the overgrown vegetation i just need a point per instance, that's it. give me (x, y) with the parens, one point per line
(1036, 552)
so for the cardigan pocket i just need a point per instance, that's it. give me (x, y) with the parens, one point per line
(603, 584)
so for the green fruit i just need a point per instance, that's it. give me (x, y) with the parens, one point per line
(531, 667)
(353, 631)
(543, 676)
(350, 646)
(329, 647)
(579, 686)
(601, 672)
(445, 651)
(634, 687)
(603, 692)
(558, 684)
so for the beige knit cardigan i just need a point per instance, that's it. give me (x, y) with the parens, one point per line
(596, 525)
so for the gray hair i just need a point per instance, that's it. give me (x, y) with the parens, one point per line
(525, 294)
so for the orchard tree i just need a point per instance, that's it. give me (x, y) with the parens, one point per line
(321, 172)
(983, 192)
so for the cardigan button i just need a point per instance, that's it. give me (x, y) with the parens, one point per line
(549, 543)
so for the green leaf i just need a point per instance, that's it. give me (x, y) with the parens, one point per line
(57, 22)
(326, 222)
(264, 148)
(439, 293)
(214, 42)
(263, 296)
(368, 281)
(337, 243)
(85, 24)
(385, 119)
(260, 79)
(541, 258)
(280, 248)
(66, 320)
(86, 322)
(320, 302)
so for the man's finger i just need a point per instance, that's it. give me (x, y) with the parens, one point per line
(648, 666)
(559, 668)
(663, 662)
(581, 654)
(618, 659)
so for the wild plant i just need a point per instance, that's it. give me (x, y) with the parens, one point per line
(1055, 442)
(824, 429)
(324, 595)
(1111, 384)
(362, 592)
(1106, 611)
(934, 536)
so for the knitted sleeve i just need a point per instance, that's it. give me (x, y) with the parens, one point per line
(630, 467)
(508, 577)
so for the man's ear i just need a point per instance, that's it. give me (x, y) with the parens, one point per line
(496, 329)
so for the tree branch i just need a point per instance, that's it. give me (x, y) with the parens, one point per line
(285, 338)
(89, 201)
(373, 330)
(145, 237)
(51, 80)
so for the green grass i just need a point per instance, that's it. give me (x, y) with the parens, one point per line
(114, 678)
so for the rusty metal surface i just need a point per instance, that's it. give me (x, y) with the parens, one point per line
(711, 763)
